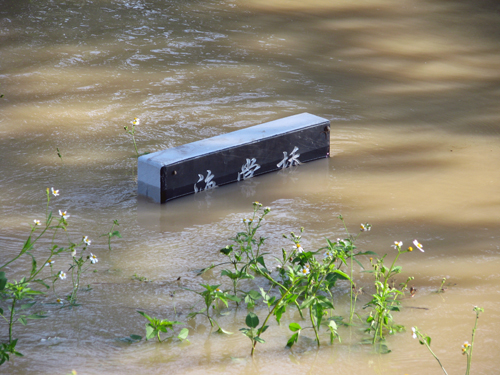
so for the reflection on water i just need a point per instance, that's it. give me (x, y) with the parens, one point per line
(411, 89)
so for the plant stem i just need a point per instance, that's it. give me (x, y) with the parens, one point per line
(269, 315)
(469, 356)
(313, 325)
(11, 322)
(135, 145)
(437, 359)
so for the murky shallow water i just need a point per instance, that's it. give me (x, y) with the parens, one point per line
(411, 89)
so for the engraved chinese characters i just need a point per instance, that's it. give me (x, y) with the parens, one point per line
(289, 161)
(209, 184)
(247, 170)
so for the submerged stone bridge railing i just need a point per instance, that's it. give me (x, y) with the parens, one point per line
(206, 164)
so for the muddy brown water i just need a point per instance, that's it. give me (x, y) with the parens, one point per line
(411, 89)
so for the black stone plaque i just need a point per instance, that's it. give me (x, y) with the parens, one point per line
(232, 157)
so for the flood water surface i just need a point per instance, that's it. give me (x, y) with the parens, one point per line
(411, 89)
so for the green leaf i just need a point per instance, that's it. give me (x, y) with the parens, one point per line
(252, 320)
(3, 281)
(33, 264)
(183, 334)
(227, 250)
(343, 274)
(292, 340)
(253, 294)
(308, 302)
(26, 306)
(40, 281)
(233, 298)
(367, 253)
(136, 337)
(146, 316)
(279, 313)
(428, 339)
(22, 320)
(294, 327)
(37, 316)
(220, 330)
(258, 339)
(150, 331)
(27, 245)
(116, 234)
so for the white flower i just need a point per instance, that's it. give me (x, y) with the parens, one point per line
(328, 254)
(59, 301)
(37, 222)
(73, 252)
(465, 346)
(299, 248)
(55, 193)
(397, 244)
(418, 245)
(414, 332)
(365, 227)
(86, 240)
(62, 275)
(93, 258)
(49, 263)
(218, 290)
(136, 121)
(304, 271)
(64, 214)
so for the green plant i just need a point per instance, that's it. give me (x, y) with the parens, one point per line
(385, 299)
(157, 326)
(131, 131)
(423, 339)
(112, 233)
(18, 296)
(211, 297)
(244, 252)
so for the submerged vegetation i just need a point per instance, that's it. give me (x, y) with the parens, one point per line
(42, 268)
(268, 283)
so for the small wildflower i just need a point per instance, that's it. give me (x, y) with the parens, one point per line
(414, 330)
(299, 248)
(49, 263)
(365, 227)
(465, 347)
(86, 240)
(328, 254)
(93, 258)
(397, 244)
(64, 214)
(59, 301)
(267, 209)
(55, 193)
(418, 245)
(410, 248)
(136, 121)
(62, 275)
(218, 290)
(257, 204)
(37, 222)
(304, 271)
